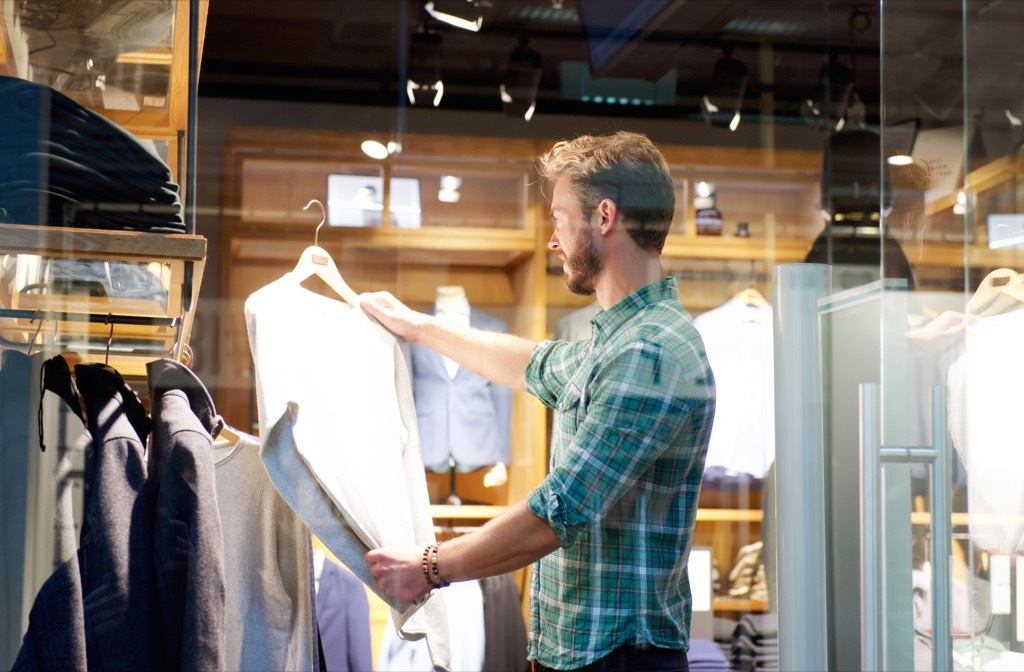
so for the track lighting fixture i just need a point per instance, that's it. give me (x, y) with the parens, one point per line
(424, 85)
(463, 14)
(722, 104)
(522, 77)
(827, 105)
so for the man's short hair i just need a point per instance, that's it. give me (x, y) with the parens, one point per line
(624, 167)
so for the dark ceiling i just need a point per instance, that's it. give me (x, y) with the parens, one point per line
(355, 52)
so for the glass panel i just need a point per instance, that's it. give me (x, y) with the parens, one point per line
(103, 55)
(954, 196)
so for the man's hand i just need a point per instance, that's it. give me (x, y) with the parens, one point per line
(394, 315)
(399, 572)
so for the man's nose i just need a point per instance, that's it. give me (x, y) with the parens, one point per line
(553, 243)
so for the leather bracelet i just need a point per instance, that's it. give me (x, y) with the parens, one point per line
(437, 580)
(426, 566)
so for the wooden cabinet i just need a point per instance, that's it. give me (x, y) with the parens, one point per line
(129, 62)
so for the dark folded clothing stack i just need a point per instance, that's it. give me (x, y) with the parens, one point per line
(62, 164)
(755, 643)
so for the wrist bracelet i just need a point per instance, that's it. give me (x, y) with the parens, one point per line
(437, 580)
(426, 566)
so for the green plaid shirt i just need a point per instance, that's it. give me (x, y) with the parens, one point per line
(634, 406)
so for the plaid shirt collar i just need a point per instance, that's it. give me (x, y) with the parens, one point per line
(608, 321)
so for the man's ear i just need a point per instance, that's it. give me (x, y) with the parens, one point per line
(607, 213)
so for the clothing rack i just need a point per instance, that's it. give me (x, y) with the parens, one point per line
(95, 318)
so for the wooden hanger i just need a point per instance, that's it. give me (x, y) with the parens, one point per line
(750, 297)
(1001, 291)
(228, 436)
(316, 261)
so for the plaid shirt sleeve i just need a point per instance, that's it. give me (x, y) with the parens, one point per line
(633, 409)
(551, 365)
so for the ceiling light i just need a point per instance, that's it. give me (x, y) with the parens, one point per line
(900, 160)
(721, 105)
(522, 77)
(463, 14)
(378, 150)
(424, 85)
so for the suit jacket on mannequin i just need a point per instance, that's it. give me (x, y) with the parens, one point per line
(467, 418)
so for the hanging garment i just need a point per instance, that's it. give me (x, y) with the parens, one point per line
(268, 602)
(55, 638)
(16, 379)
(738, 340)
(465, 621)
(504, 629)
(343, 613)
(118, 586)
(188, 544)
(985, 427)
(339, 435)
(463, 416)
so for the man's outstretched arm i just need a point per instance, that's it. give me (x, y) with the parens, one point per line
(501, 358)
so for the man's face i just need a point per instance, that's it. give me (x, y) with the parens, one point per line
(573, 240)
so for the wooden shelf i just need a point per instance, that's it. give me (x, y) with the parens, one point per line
(498, 248)
(733, 604)
(779, 250)
(182, 256)
(729, 515)
(99, 244)
(978, 181)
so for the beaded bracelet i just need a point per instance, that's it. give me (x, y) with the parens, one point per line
(426, 565)
(437, 580)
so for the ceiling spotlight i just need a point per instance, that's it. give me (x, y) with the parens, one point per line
(722, 104)
(463, 14)
(424, 85)
(827, 106)
(522, 77)
(378, 150)
(900, 160)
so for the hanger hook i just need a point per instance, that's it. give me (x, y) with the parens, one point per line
(323, 218)
(110, 337)
(38, 329)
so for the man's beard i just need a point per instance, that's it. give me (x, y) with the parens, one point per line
(584, 267)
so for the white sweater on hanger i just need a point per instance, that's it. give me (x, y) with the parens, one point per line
(332, 387)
